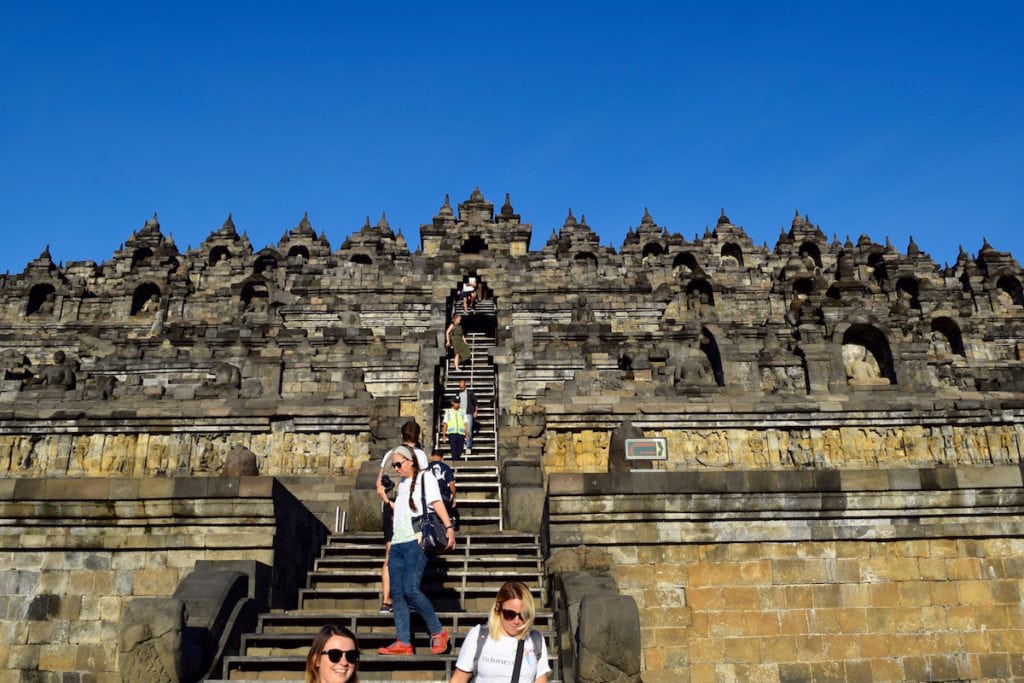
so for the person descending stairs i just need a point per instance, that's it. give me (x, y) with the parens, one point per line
(343, 587)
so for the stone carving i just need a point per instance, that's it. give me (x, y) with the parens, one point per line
(240, 462)
(940, 347)
(48, 304)
(151, 305)
(581, 311)
(692, 367)
(150, 640)
(1005, 299)
(60, 373)
(861, 367)
(795, 307)
(225, 375)
(15, 365)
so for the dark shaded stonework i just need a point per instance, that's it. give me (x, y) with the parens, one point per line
(159, 361)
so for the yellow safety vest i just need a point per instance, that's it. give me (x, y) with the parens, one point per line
(455, 420)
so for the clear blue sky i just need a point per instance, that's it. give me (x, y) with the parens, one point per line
(885, 118)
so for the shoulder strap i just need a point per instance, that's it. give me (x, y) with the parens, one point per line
(481, 638)
(538, 642)
(519, 661)
(423, 494)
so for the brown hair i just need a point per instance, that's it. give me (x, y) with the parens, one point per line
(328, 631)
(411, 432)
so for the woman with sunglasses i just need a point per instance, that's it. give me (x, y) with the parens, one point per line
(333, 657)
(509, 645)
(406, 559)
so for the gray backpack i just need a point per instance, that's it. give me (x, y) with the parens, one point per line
(535, 637)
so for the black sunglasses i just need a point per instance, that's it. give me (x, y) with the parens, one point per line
(398, 465)
(335, 655)
(511, 614)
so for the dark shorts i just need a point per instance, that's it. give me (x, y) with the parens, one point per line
(388, 519)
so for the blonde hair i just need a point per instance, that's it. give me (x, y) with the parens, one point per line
(512, 590)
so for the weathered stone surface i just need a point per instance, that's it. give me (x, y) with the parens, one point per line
(149, 641)
(609, 639)
(524, 508)
(240, 462)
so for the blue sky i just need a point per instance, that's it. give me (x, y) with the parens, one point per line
(892, 119)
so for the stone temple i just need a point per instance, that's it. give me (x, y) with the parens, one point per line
(710, 460)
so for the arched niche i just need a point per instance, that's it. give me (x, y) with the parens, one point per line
(219, 254)
(652, 249)
(586, 259)
(709, 345)
(264, 262)
(41, 299)
(361, 259)
(142, 298)
(811, 249)
(702, 290)
(908, 288)
(685, 259)
(255, 295)
(946, 338)
(803, 285)
(141, 257)
(731, 250)
(867, 358)
(1011, 289)
(474, 244)
(298, 254)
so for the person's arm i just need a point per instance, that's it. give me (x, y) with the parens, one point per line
(460, 676)
(444, 426)
(448, 335)
(381, 491)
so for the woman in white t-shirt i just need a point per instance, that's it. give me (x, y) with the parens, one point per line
(406, 559)
(509, 627)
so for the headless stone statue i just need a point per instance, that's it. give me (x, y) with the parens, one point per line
(48, 305)
(860, 371)
(60, 373)
(693, 368)
(226, 375)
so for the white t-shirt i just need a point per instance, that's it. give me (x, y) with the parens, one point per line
(403, 514)
(497, 660)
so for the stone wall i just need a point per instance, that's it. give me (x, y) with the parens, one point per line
(75, 552)
(865, 575)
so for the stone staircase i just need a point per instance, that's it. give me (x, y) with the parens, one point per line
(344, 585)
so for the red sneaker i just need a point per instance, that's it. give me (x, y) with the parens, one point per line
(400, 648)
(439, 642)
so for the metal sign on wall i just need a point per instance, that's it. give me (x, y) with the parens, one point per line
(646, 449)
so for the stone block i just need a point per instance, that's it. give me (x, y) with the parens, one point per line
(989, 477)
(608, 638)
(524, 508)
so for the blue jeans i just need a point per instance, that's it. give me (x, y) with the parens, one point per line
(405, 566)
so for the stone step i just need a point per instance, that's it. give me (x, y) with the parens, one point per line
(438, 580)
(373, 563)
(449, 597)
(308, 622)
